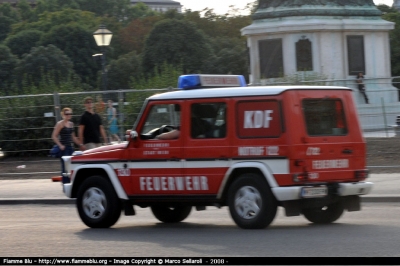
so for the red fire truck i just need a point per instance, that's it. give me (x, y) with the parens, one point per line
(253, 149)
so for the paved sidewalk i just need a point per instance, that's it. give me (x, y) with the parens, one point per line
(44, 191)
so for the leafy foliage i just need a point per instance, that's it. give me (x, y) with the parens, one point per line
(178, 43)
(5, 27)
(7, 64)
(231, 57)
(133, 36)
(7, 11)
(394, 41)
(78, 44)
(48, 20)
(386, 9)
(42, 61)
(123, 70)
(22, 42)
(25, 11)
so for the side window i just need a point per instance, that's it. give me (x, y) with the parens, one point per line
(324, 117)
(161, 115)
(259, 119)
(208, 120)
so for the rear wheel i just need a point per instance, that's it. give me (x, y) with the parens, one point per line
(98, 204)
(171, 213)
(326, 214)
(251, 203)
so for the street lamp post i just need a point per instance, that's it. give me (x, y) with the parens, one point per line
(102, 36)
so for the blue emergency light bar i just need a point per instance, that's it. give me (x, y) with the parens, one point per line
(197, 81)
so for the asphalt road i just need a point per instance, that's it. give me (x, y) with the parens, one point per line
(56, 230)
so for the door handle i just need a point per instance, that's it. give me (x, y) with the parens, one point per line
(347, 151)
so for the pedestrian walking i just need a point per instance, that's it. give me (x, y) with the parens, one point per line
(91, 127)
(63, 135)
(112, 122)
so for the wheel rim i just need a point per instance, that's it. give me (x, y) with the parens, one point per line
(248, 202)
(94, 203)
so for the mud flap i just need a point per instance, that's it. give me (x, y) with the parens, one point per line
(292, 207)
(352, 203)
(128, 209)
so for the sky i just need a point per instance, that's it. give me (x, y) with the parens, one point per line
(222, 6)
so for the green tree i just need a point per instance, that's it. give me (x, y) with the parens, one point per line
(386, 9)
(133, 36)
(177, 43)
(172, 14)
(5, 27)
(22, 42)
(68, 4)
(215, 25)
(123, 70)
(139, 10)
(7, 64)
(25, 11)
(43, 6)
(231, 57)
(394, 41)
(99, 7)
(42, 63)
(7, 11)
(49, 20)
(79, 45)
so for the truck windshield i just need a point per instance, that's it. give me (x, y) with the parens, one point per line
(162, 114)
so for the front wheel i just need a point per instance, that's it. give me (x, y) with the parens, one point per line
(251, 203)
(97, 203)
(326, 214)
(171, 213)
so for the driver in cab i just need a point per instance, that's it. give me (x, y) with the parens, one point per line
(174, 134)
(199, 127)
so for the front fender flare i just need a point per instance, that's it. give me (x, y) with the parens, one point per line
(111, 175)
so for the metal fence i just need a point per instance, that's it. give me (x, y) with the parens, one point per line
(27, 121)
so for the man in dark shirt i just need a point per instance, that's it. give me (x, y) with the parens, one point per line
(90, 127)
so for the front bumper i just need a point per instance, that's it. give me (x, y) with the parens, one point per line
(343, 189)
(67, 188)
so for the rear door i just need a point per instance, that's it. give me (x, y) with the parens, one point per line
(332, 147)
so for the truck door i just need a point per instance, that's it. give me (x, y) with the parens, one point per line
(206, 149)
(155, 166)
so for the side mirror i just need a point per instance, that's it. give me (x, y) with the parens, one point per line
(131, 135)
(134, 135)
(127, 134)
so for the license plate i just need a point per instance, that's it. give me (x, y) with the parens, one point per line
(314, 192)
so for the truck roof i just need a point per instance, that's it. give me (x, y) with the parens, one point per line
(236, 92)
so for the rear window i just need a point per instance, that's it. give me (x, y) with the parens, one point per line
(324, 117)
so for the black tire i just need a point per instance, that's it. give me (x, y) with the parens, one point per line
(251, 203)
(326, 214)
(171, 213)
(98, 204)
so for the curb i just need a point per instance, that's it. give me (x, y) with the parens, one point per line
(378, 199)
(67, 201)
(37, 201)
